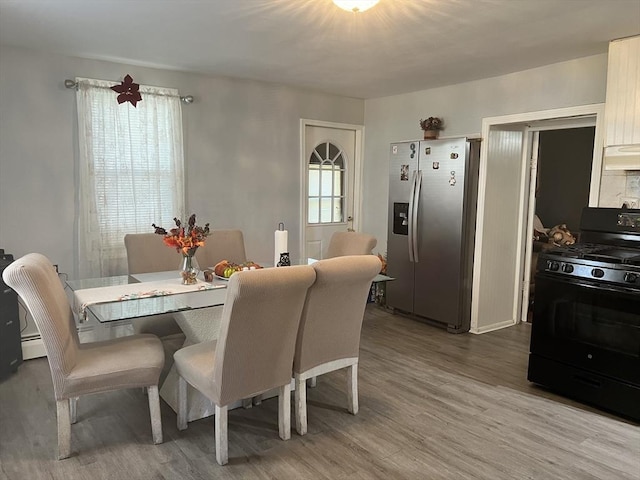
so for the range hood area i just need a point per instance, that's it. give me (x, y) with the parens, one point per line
(622, 157)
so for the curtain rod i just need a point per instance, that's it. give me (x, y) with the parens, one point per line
(68, 83)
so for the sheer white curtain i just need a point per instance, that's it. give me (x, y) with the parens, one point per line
(131, 171)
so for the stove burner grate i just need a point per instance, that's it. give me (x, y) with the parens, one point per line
(600, 253)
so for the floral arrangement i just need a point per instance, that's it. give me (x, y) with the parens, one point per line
(184, 240)
(431, 123)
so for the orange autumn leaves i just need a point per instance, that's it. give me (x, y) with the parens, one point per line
(185, 240)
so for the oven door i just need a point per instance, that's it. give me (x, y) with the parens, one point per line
(588, 326)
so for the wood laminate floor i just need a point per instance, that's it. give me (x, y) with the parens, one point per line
(432, 406)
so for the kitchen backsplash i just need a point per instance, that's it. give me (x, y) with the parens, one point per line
(618, 187)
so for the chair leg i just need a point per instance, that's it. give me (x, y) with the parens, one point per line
(64, 428)
(182, 403)
(284, 411)
(222, 447)
(73, 406)
(154, 410)
(301, 406)
(352, 388)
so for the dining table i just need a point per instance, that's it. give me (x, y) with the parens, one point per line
(114, 301)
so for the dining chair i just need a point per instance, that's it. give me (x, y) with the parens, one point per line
(147, 253)
(329, 333)
(81, 369)
(222, 245)
(350, 243)
(254, 351)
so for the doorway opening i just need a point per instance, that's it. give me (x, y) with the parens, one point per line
(561, 190)
(506, 208)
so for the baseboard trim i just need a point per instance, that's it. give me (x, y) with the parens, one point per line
(493, 326)
(33, 349)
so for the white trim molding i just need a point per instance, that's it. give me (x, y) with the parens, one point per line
(569, 117)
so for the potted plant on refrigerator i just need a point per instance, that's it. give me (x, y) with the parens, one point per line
(431, 127)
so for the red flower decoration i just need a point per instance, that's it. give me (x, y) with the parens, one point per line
(128, 91)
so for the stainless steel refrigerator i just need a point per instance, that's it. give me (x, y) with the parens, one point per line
(432, 211)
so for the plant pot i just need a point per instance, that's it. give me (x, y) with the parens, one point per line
(430, 134)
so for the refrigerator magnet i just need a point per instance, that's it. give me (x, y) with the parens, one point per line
(452, 179)
(404, 173)
(436, 165)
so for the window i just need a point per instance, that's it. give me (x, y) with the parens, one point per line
(131, 171)
(326, 195)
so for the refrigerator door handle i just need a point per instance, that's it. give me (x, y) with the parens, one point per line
(410, 215)
(414, 220)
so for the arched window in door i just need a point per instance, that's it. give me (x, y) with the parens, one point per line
(325, 184)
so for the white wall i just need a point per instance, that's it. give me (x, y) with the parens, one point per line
(462, 107)
(618, 187)
(242, 144)
(241, 141)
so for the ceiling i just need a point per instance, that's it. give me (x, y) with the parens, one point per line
(399, 46)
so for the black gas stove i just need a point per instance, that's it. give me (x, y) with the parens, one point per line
(608, 252)
(585, 336)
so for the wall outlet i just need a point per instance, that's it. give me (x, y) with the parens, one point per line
(631, 202)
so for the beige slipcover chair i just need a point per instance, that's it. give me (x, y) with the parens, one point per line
(254, 351)
(147, 253)
(81, 369)
(204, 324)
(350, 243)
(222, 245)
(329, 333)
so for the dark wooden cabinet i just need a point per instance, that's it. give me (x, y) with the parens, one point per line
(10, 344)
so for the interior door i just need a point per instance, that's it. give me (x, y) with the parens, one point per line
(532, 180)
(329, 188)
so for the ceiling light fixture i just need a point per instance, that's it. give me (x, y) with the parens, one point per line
(355, 6)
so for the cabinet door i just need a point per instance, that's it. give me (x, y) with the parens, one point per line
(622, 108)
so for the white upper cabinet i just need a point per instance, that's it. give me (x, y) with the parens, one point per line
(622, 108)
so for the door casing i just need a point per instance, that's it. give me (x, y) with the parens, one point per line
(493, 306)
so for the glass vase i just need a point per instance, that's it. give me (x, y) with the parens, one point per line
(189, 270)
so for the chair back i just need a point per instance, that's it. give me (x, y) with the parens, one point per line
(350, 243)
(260, 320)
(222, 245)
(333, 311)
(146, 253)
(34, 278)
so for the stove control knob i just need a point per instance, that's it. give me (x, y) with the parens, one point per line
(598, 273)
(630, 277)
(567, 268)
(553, 266)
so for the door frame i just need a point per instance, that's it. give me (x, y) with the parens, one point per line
(532, 133)
(357, 181)
(526, 123)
